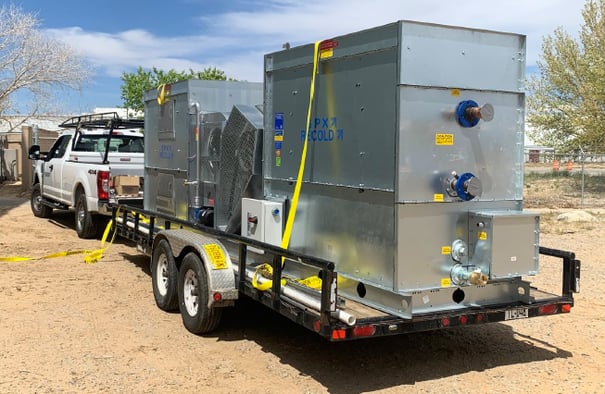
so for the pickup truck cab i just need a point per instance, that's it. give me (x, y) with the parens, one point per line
(96, 162)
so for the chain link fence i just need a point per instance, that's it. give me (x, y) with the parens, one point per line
(554, 180)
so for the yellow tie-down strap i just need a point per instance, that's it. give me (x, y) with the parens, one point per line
(91, 256)
(265, 269)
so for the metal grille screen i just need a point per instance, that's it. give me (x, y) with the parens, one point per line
(240, 143)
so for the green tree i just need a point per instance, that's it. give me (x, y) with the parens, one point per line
(135, 84)
(566, 102)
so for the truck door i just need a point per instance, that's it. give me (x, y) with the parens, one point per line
(52, 169)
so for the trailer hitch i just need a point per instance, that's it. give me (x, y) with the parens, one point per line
(571, 270)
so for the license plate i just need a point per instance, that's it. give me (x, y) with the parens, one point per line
(516, 313)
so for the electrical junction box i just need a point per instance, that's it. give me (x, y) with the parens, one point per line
(498, 241)
(262, 221)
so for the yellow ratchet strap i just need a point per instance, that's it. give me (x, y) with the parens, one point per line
(285, 242)
(266, 271)
(91, 256)
(266, 268)
(96, 255)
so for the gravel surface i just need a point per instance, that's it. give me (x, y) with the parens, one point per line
(67, 326)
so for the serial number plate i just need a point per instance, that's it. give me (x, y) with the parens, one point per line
(516, 313)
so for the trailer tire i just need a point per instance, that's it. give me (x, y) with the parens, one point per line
(85, 222)
(198, 318)
(164, 277)
(39, 210)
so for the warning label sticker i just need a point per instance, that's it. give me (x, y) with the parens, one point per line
(216, 256)
(444, 139)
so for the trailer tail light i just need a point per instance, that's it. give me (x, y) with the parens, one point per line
(479, 318)
(364, 331)
(462, 320)
(339, 334)
(217, 297)
(547, 309)
(565, 308)
(445, 322)
(103, 185)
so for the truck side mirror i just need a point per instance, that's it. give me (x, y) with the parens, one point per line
(34, 152)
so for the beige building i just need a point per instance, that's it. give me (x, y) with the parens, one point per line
(16, 135)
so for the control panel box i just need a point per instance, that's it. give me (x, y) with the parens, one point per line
(262, 220)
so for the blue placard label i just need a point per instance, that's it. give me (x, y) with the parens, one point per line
(279, 123)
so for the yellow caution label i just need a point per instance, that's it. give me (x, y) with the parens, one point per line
(278, 138)
(438, 197)
(446, 250)
(216, 256)
(455, 92)
(326, 53)
(446, 282)
(482, 235)
(444, 139)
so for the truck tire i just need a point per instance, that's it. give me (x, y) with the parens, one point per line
(164, 277)
(39, 210)
(85, 222)
(198, 318)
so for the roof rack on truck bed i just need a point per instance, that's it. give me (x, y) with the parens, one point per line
(109, 121)
(105, 120)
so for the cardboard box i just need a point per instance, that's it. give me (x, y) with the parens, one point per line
(126, 185)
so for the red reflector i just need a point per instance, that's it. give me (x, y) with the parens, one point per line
(328, 44)
(565, 308)
(462, 319)
(316, 325)
(339, 334)
(364, 331)
(445, 322)
(547, 309)
(479, 318)
(217, 297)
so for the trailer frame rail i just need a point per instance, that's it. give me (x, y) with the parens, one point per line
(323, 321)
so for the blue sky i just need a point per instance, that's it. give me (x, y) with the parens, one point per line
(233, 35)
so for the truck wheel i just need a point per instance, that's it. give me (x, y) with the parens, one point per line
(85, 223)
(40, 210)
(164, 277)
(198, 318)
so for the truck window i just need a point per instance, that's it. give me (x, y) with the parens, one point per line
(59, 147)
(118, 143)
(129, 144)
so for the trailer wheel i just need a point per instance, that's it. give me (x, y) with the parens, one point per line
(85, 223)
(164, 277)
(39, 210)
(198, 318)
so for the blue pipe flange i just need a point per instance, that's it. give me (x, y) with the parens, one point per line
(461, 110)
(462, 188)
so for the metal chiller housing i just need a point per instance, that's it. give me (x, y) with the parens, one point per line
(414, 174)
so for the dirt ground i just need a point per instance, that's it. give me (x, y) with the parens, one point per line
(71, 327)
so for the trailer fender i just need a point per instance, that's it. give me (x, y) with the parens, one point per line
(216, 260)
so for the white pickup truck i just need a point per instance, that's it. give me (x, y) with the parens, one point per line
(96, 162)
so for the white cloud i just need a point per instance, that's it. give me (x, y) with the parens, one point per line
(236, 41)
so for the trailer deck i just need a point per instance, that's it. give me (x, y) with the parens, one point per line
(140, 226)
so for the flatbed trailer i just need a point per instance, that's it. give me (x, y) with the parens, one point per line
(390, 201)
(140, 226)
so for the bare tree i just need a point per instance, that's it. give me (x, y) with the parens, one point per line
(34, 64)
